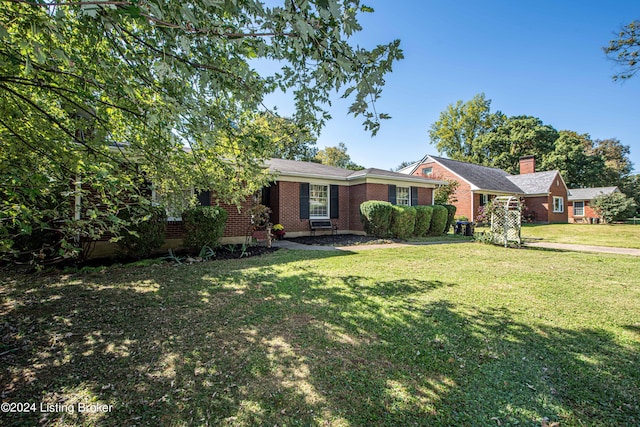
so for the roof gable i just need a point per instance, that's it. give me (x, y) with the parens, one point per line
(534, 183)
(480, 177)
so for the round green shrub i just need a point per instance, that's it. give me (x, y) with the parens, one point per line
(403, 221)
(376, 217)
(203, 226)
(438, 220)
(146, 232)
(451, 211)
(423, 220)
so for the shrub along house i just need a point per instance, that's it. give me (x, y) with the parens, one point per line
(544, 193)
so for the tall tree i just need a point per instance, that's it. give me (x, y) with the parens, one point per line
(456, 132)
(616, 158)
(337, 156)
(513, 138)
(631, 187)
(625, 50)
(571, 157)
(113, 92)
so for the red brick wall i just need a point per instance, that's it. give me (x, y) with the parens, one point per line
(543, 205)
(358, 195)
(289, 205)
(589, 212)
(527, 164)
(558, 189)
(539, 207)
(237, 222)
(288, 200)
(174, 230)
(425, 196)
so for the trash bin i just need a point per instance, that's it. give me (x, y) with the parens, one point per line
(461, 227)
(468, 229)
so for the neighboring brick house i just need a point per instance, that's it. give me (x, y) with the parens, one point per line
(581, 201)
(544, 193)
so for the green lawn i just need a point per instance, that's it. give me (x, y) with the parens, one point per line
(615, 235)
(441, 335)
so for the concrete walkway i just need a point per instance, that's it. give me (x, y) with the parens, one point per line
(547, 245)
(299, 246)
(583, 248)
(353, 248)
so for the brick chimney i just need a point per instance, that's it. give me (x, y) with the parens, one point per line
(527, 164)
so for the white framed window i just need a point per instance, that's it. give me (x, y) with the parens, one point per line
(318, 201)
(558, 204)
(484, 199)
(427, 171)
(403, 196)
(578, 208)
(174, 205)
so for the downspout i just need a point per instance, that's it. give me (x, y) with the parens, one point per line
(473, 208)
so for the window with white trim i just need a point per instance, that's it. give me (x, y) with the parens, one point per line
(427, 171)
(318, 201)
(558, 204)
(578, 208)
(174, 205)
(403, 196)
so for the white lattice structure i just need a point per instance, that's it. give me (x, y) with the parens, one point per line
(506, 220)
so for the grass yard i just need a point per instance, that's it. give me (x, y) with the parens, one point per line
(443, 335)
(614, 235)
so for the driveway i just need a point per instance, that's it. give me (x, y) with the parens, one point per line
(583, 248)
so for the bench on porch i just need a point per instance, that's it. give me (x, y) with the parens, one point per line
(322, 224)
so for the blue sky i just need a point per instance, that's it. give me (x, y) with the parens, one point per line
(539, 58)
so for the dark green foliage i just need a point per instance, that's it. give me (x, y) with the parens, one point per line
(438, 220)
(423, 220)
(403, 221)
(614, 207)
(376, 217)
(203, 226)
(451, 214)
(146, 233)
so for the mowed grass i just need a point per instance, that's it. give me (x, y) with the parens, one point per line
(442, 335)
(615, 235)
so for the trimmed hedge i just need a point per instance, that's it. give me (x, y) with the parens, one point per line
(451, 210)
(403, 221)
(423, 220)
(376, 217)
(145, 236)
(438, 220)
(203, 226)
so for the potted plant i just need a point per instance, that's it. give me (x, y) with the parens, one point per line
(278, 231)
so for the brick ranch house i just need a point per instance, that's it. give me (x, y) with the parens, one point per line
(304, 191)
(581, 201)
(545, 193)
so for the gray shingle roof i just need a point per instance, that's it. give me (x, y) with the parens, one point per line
(534, 183)
(306, 168)
(293, 167)
(590, 193)
(481, 177)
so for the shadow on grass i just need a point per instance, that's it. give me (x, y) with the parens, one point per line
(263, 342)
